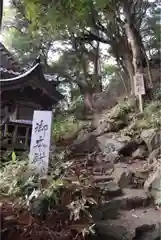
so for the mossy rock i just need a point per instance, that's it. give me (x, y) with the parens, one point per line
(150, 118)
(142, 124)
(152, 107)
(121, 110)
(66, 128)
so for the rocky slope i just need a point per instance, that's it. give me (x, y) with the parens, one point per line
(116, 157)
(122, 153)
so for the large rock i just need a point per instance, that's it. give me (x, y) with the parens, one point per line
(122, 175)
(129, 148)
(130, 199)
(152, 138)
(155, 155)
(151, 235)
(102, 124)
(110, 189)
(131, 225)
(140, 174)
(102, 128)
(98, 119)
(116, 112)
(82, 134)
(112, 157)
(140, 153)
(112, 142)
(103, 168)
(147, 134)
(118, 125)
(87, 144)
(153, 185)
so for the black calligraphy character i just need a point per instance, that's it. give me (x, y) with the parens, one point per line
(38, 127)
(41, 127)
(39, 142)
(39, 157)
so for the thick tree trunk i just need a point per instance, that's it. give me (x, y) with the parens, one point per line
(97, 70)
(128, 59)
(88, 102)
(134, 39)
(123, 55)
(130, 70)
(87, 91)
(136, 46)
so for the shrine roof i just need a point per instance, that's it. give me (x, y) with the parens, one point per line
(12, 76)
(8, 65)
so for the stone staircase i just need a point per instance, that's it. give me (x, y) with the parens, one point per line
(126, 211)
(131, 216)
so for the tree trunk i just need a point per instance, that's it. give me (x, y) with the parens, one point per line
(87, 91)
(88, 102)
(123, 56)
(138, 57)
(138, 50)
(1, 13)
(135, 40)
(97, 70)
(130, 70)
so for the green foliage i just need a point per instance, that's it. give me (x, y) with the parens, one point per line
(64, 193)
(77, 106)
(15, 181)
(57, 15)
(58, 194)
(45, 23)
(111, 69)
(152, 28)
(14, 157)
(152, 108)
(150, 118)
(142, 124)
(11, 178)
(66, 128)
(121, 110)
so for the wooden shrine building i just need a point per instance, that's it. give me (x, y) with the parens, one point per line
(22, 92)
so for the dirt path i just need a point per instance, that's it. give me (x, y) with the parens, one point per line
(17, 223)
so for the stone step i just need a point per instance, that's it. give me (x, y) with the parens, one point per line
(138, 224)
(131, 199)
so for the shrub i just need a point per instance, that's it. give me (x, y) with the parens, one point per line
(11, 178)
(66, 128)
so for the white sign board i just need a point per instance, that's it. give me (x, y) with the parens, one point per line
(139, 84)
(40, 142)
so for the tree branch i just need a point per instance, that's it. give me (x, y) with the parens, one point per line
(89, 37)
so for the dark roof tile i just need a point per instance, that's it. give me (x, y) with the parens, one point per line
(7, 61)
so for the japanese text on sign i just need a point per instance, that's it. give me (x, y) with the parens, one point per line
(139, 84)
(40, 142)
